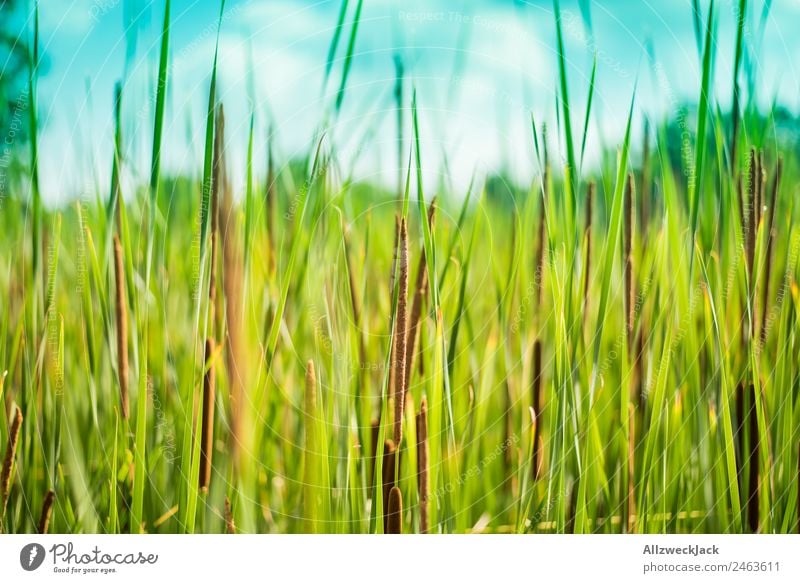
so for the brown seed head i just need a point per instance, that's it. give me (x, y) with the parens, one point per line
(47, 509)
(401, 335)
(631, 483)
(395, 515)
(773, 200)
(752, 505)
(392, 278)
(389, 461)
(536, 399)
(629, 299)
(8, 460)
(207, 433)
(230, 525)
(122, 328)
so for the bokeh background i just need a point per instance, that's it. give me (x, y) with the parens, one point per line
(481, 67)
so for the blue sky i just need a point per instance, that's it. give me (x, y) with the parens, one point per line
(475, 108)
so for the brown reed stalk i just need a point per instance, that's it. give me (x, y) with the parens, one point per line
(47, 510)
(392, 278)
(753, 486)
(232, 275)
(751, 213)
(420, 291)
(742, 210)
(207, 432)
(394, 524)
(389, 459)
(8, 459)
(631, 468)
(771, 234)
(748, 451)
(588, 232)
(230, 525)
(218, 184)
(536, 397)
(234, 354)
(423, 473)
(750, 241)
(401, 335)
(218, 172)
(739, 433)
(628, 251)
(639, 363)
(635, 345)
(421, 358)
(122, 328)
(743, 220)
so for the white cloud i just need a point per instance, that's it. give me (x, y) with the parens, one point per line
(72, 18)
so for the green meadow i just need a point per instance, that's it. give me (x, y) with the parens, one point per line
(610, 348)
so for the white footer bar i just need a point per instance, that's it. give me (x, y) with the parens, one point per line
(405, 559)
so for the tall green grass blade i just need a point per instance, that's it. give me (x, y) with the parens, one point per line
(158, 130)
(573, 180)
(697, 26)
(741, 15)
(454, 238)
(588, 109)
(348, 59)
(36, 227)
(430, 254)
(190, 463)
(727, 423)
(696, 185)
(337, 33)
(612, 245)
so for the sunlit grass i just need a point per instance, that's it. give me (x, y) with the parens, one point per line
(315, 355)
